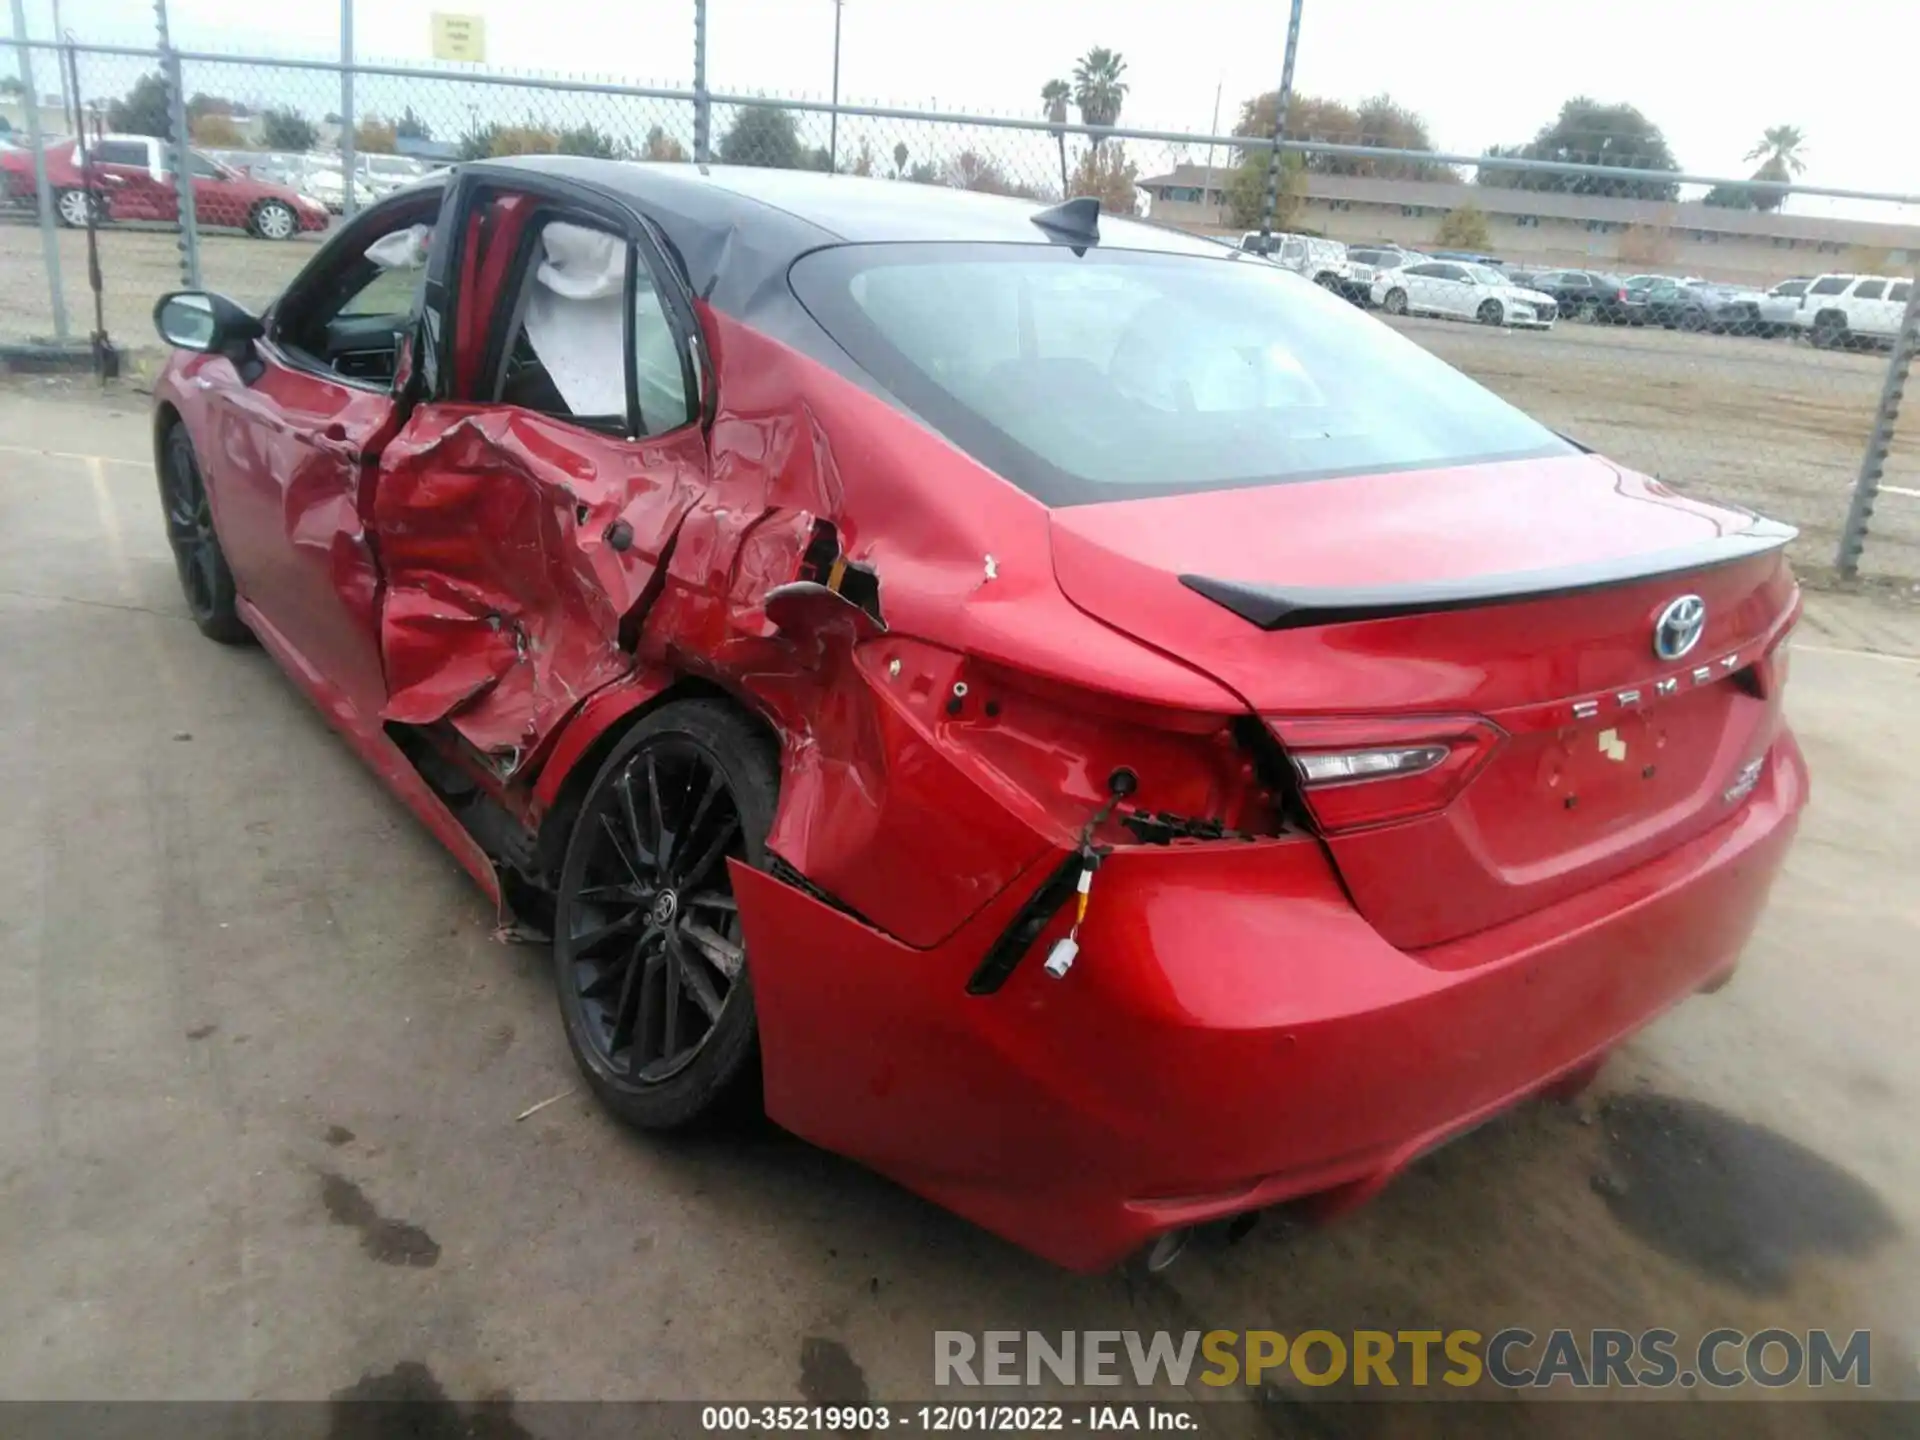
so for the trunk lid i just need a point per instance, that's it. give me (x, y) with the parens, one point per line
(1525, 592)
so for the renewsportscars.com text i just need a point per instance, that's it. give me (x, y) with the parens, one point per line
(1513, 1358)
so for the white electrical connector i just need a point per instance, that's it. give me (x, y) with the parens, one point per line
(1067, 949)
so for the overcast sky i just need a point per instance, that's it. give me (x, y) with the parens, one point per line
(1480, 71)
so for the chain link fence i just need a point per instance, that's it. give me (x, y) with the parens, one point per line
(1704, 331)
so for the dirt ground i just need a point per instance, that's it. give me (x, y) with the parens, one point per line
(263, 1058)
(1770, 424)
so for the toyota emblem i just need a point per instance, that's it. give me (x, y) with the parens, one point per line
(1679, 627)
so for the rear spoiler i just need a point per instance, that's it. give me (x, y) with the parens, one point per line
(1295, 607)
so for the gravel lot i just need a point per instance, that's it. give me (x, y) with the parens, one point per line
(1771, 424)
(263, 1058)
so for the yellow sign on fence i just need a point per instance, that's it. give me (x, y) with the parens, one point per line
(459, 37)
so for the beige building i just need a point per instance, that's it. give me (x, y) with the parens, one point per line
(1572, 231)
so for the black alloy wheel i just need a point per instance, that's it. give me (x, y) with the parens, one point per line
(205, 580)
(648, 951)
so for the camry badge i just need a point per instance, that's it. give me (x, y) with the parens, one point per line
(1679, 627)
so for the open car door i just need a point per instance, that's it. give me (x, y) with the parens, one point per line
(524, 508)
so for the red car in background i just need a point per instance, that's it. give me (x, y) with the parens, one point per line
(1079, 719)
(131, 181)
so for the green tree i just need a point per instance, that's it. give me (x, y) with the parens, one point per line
(1463, 228)
(374, 136)
(1055, 95)
(1378, 121)
(286, 130)
(10, 85)
(588, 140)
(200, 104)
(1105, 173)
(216, 132)
(1587, 132)
(924, 173)
(662, 146)
(411, 127)
(899, 159)
(1098, 90)
(477, 143)
(1246, 190)
(1730, 197)
(1780, 161)
(763, 135)
(143, 110)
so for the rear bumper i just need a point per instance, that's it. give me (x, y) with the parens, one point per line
(1233, 1034)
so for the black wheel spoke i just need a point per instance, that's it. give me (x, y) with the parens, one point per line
(600, 934)
(693, 976)
(620, 848)
(662, 837)
(644, 852)
(696, 873)
(720, 952)
(670, 1007)
(630, 1014)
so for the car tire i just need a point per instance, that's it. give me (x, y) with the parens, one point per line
(1490, 313)
(273, 220)
(1692, 320)
(1328, 281)
(1829, 331)
(72, 204)
(205, 579)
(642, 952)
(1394, 302)
(1590, 311)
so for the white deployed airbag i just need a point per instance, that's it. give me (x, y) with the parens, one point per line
(575, 320)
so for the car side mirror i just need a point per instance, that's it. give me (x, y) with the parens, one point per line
(207, 323)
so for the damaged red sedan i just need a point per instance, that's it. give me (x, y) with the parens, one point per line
(1070, 715)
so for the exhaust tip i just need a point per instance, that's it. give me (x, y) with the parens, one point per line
(1167, 1249)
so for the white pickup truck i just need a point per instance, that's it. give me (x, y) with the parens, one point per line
(1840, 308)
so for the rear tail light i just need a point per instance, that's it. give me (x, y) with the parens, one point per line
(1376, 770)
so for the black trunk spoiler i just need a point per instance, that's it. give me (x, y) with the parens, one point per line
(1295, 607)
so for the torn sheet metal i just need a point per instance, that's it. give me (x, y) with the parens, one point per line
(514, 546)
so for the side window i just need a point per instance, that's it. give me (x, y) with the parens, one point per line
(658, 363)
(1829, 285)
(1870, 290)
(350, 316)
(564, 346)
(1431, 272)
(1450, 272)
(120, 152)
(1901, 291)
(202, 168)
(1790, 288)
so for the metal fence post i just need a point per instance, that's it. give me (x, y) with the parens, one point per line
(702, 106)
(1281, 101)
(179, 155)
(347, 206)
(43, 193)
(1873, 464)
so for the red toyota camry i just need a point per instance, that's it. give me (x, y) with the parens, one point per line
(1071, 715)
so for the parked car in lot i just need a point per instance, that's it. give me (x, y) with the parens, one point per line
(1780, 312)
(1701, 305)
(1322, 261)
(1367, 261)
(1591, 295)
(1844, 309)
(1462, 292)
(131, 181)
(1069, 715)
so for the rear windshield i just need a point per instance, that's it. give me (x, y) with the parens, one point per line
(1123, 374)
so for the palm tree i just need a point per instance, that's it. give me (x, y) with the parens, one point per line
(1779, 152)
(1780, 160)
(1054, 95)
(1097, 87)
